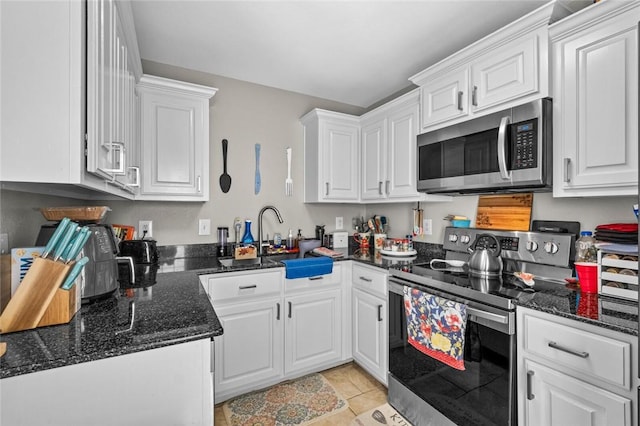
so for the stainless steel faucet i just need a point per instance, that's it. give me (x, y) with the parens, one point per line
(265, 208)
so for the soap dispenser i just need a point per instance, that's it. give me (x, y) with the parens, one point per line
(247, 238)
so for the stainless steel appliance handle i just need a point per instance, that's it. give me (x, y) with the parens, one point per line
(580, 354)
(489, 316)
(567, 164)
(502, 152)
(530, 394)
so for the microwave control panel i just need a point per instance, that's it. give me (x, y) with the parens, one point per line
(524, 143)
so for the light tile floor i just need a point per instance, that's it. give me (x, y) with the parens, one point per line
(361, 390)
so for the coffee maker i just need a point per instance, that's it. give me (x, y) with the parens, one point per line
(99, 277)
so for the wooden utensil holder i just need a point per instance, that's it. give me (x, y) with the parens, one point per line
(39, 300)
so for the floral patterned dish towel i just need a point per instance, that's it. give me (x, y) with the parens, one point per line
(435, 326)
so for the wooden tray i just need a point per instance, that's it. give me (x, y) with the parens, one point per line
(509, 212)
(34, 295)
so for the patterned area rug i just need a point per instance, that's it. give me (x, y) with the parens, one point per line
(382, 415)
(298, 402)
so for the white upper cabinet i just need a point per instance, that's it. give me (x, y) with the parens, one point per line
(331, 157)
(112, 70)
(506, 68)
(174, 140)
(388, 151)
(595, 90)
(43, 96)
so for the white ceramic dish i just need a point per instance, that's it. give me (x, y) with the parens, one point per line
(454, 263)
(398, 253)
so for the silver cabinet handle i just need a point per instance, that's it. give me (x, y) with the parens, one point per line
(379, 313)
(136, 171)
(530, 394)
(278, 311)
(502, 155)
(117, 148)
(365, 279)
(319, 277)
(327, 190)
(474, 96)
(245, 287)
(580, 354)
(567, 164)
(460, 100)
(380, 188)
(387, 186)
(289, 309)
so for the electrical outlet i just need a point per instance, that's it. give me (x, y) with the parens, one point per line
(145, 225)
(204, 227)
(339, 222)
(4, 243)
(427, 227)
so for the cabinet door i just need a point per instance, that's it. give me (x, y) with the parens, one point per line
(373, 150)
(596, 116)
(556, 399)
(508, 73)
(104, 147)
(370, 350)
(250, 350)
(312, 332)
(401, 153)
(445, 98)
(173, 139)
(340, 160)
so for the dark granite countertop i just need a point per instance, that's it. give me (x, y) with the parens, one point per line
(173, 310)
(558, 299)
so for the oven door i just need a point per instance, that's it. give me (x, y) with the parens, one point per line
(422, 388)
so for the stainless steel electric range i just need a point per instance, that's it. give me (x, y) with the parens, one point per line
(428, 392)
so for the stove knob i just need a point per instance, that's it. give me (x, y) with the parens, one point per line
(532, 246)
(550, 247)
(464, 239)
(453, 238)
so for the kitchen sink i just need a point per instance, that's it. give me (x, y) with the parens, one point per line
(239, 263)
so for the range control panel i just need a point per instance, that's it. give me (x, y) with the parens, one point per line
(534, 247)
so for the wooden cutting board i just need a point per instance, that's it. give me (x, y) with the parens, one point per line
(509, 212)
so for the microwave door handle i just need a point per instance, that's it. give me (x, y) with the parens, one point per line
(502, 145)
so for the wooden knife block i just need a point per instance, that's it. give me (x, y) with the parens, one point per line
(39, 300)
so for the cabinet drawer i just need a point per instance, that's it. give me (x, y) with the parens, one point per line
(317, 282)
(593, 355)
(369, 280)
(243, 285)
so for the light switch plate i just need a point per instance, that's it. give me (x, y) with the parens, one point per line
(427, 226)
(204, 227)
(339, 222)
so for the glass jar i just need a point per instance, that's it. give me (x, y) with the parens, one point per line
(586, 250)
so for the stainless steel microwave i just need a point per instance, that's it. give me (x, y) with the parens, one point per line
(507, 151)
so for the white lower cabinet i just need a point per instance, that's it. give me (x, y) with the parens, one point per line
(369, 319)
(572, 373)
(274, 328)
(312, 330)
(164, 386)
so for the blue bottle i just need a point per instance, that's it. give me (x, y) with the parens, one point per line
(247, 238)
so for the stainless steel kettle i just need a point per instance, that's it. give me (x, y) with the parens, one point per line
(485, 260)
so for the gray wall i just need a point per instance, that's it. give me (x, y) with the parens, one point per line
(246, 114)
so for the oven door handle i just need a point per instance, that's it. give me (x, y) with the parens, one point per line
(501, 319)
(502, 148)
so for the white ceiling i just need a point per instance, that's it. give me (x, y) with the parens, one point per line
(355, 52)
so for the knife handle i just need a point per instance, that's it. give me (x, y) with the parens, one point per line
(78, 242)
(53, 241)
(69, 233)
(75, 271)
